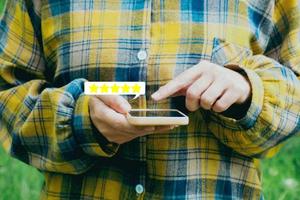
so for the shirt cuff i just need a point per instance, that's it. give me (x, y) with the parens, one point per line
(89, 138)
(248, 120)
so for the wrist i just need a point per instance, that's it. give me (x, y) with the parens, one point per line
(246, 96)
(240, 108)
(246, 84)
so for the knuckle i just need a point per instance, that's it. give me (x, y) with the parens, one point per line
(191, 94)
(188, 106)
(239, 89)
(220, 107)
(206, 102)
(192, 108)
(226, 79)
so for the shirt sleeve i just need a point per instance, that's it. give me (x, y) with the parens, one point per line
(45, 126)
(273, 115)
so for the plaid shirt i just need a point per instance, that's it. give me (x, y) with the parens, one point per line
(49, 48)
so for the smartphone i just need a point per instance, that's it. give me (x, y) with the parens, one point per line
(156, 117)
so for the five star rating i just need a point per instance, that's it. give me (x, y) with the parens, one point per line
(114, 88)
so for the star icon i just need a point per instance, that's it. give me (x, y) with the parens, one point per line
(136, 88)
(104, 88)
(115, 88)
(125, 88)
(93, 88)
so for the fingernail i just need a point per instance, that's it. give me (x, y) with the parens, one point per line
(155, 95)
(127, 107)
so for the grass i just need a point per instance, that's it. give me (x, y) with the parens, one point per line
(17, 180)
(2, 3)
(281, 177)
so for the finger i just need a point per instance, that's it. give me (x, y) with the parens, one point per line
(158, 130)
(181, 81)
(195, 91)
(213, 92)
(181, 92)
(164, 129)
(118, 121)
(108, 115)
(141, 131)
(136, 131)
(114, 135)
(118, 103)
(226, 100)
(110, 124)
(120, 137)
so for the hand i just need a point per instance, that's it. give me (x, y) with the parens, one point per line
(107, 114)
(209, 86)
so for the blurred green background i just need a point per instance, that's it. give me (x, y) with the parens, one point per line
(281, 174)
(2, 2)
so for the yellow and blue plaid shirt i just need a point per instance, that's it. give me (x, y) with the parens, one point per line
(49, 48)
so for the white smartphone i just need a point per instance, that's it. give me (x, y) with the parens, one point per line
(145, 117)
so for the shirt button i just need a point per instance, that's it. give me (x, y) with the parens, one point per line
(139, 189)
(142, 55)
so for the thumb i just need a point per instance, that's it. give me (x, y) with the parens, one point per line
(116, 102)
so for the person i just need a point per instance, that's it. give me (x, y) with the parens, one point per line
(232, 66)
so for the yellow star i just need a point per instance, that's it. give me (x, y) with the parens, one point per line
(104, 88)
(125, 88)
(115, 88)
(136, 88)
(93, 88)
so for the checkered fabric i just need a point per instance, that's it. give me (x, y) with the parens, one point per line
(49, 48)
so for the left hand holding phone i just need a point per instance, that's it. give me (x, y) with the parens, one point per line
(107, 113)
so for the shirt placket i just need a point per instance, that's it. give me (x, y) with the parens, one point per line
(142, 55)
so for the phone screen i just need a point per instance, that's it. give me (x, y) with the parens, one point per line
(155, 113)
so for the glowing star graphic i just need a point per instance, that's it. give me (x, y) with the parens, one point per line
(115, 88)
(136, 88)
(104, 88)
(125, 88)
(94, 88)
